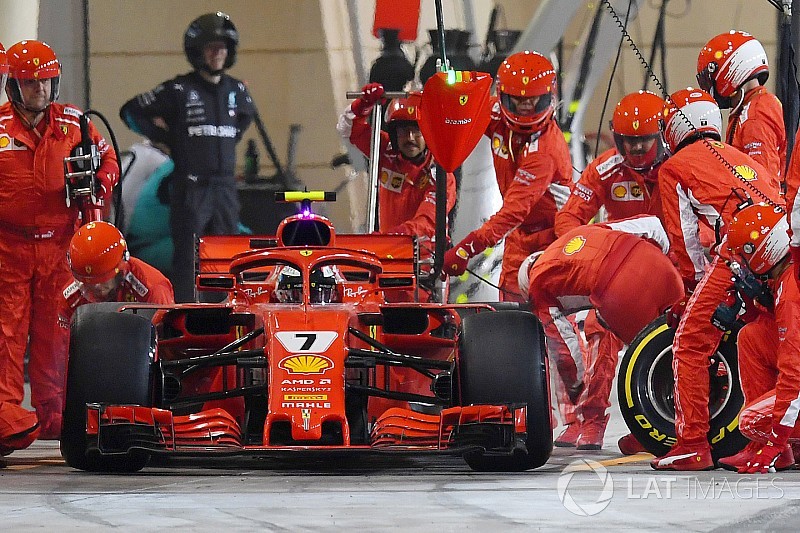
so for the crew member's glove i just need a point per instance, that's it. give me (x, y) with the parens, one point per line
(675, 313)
(103, 186)
(371, 93)
(795, 250)
(456, 258)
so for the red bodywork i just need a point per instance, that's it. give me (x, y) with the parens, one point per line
(362, 373)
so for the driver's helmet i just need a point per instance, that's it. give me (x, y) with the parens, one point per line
(289, 289)
(324, 288)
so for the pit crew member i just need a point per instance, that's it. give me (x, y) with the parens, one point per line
(623, 180)
(532, 165)
(733, 68)
(704, 181)
(407, 193)
(36, 134)
(758, 241)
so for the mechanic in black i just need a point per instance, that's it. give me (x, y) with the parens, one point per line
(197, 118)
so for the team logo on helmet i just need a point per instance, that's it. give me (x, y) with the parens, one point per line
(574, 245)
(463, 99)
(747, 173)
(410, 109)
(306, 253)
(88, 269)
(635, 125)
(36, 61)
(525, 80)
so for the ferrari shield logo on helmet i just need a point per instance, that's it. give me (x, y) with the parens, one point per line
(35, 61)
(410, 109)
(635, 125)
(463, 99)
(306, 253)
(88, 269)
(526, 80)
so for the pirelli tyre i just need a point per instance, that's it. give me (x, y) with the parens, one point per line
(110, 361)
(502, 360)
(645, 388)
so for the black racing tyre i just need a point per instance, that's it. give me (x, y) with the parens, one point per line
(502, 360)
(645, 389)
(109, 362)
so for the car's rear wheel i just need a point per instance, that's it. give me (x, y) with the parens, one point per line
(502, 360)
(109, 362)
(646, 386)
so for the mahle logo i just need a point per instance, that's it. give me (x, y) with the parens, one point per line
(585, 487)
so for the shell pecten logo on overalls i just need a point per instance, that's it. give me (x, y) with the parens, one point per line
(574, 245)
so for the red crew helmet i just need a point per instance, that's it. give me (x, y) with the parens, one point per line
(637, 122)
(525, 75)
(32, 60)
(691, 112)
(97, 253)
(758, 238)
(729, 60)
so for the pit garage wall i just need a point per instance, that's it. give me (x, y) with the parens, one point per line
(296, 56)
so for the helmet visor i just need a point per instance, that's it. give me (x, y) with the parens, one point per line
(526, 106)
(705, 80)
(641, 152)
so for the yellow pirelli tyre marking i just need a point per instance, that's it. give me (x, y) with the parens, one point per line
(634, 357)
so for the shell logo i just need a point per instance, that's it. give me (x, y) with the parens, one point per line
(4, 141)
(306, 364)
(619, 191)
(747, 173)
(574, 245)
(384, 176)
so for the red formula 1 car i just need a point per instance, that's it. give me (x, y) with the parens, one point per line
(321, 343)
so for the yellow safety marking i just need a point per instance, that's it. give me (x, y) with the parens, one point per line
(627, 459)
(27, 464)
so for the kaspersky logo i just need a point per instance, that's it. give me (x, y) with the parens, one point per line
(306, 364)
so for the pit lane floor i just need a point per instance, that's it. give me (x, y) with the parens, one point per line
(382, 493)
